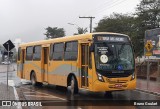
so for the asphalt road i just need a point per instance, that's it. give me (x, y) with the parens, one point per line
(58, 98)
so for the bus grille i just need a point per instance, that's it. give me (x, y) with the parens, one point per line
(116, 81)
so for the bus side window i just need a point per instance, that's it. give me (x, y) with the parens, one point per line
(58, 51)
(37, 53)
(71, 51)
(29, 53)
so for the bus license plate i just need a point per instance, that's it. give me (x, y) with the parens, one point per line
(118, 85)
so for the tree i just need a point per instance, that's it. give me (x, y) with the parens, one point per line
(147, 17)
(54, 32)
(148, 12)
(122, 23)
(81, 30)
(116, 23)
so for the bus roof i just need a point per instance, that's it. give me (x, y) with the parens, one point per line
(67, 38)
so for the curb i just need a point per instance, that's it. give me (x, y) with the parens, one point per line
(147, 91)
(150, 78)
(12, 84)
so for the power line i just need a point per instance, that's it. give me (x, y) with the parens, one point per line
(106, 6)
(111, 6)
(90, 22)
(99, 7)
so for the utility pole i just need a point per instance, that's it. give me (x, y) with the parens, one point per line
(90, 22)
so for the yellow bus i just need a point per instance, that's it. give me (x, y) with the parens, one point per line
(93, 61)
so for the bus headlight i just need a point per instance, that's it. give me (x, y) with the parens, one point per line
(133, 76)
(100, 78)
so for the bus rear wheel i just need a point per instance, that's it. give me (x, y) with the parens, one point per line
(34, 80)
(73, 86)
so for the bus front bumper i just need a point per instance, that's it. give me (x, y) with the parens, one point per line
(105, 86)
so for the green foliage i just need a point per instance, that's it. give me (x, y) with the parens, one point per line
(115, 23)
(147, 16)
(148, 12)
(121, 23)
(81, 31)
(54, 32)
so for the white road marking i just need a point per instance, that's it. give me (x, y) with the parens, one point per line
(45, 94)
(41, 96)
(23, 81)
(28, 92)
(11, 83)
(147, 92)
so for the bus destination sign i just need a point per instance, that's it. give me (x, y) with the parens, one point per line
(112, 38)
(119, 39)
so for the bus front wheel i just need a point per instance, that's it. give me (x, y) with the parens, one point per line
(34, 80)
(108, 94)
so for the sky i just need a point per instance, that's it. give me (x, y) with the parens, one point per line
(27, 19)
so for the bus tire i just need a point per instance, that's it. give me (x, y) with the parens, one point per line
(73, 86)
(39, 84)
(34, 80)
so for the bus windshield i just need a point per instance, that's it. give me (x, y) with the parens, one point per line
(114, 56)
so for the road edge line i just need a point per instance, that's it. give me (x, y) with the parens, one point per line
(16, 95)
(45, 94)
(146, 91)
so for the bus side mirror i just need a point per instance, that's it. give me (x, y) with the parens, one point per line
(91, 48)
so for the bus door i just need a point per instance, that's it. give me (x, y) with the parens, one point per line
(45, 61)
(84, 65)
(21, 59)
(22, 63)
